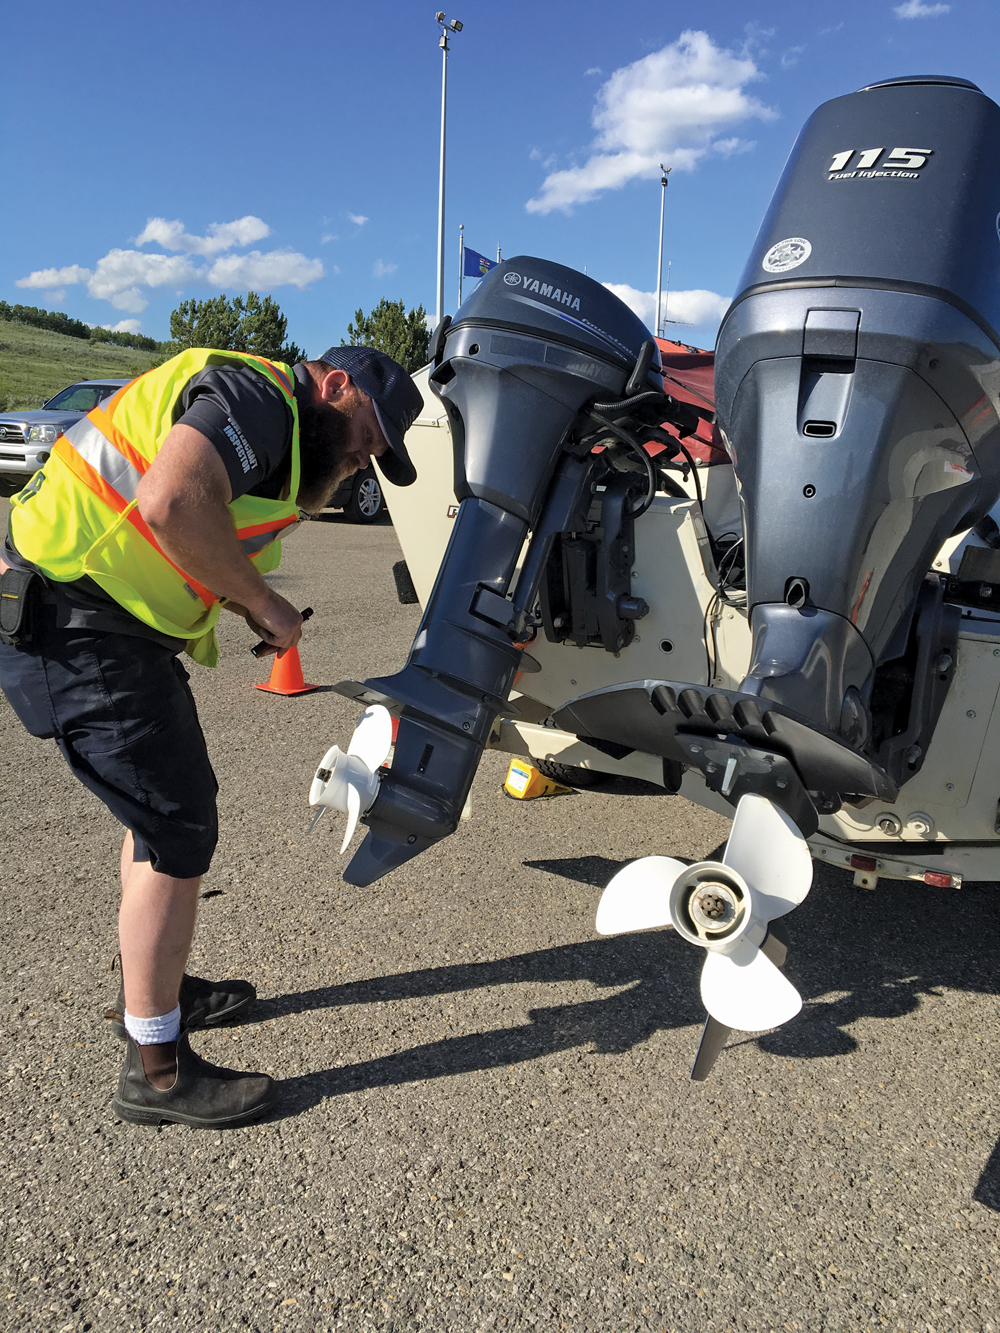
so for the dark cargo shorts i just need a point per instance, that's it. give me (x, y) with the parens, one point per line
(120, 709)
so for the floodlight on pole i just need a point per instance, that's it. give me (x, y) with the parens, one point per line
(447, 28)
(664, 173)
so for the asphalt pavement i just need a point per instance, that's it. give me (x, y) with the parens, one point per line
(485, 1117)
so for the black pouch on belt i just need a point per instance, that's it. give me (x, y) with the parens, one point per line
(19, 589)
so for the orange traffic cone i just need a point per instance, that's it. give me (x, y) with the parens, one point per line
(286, 676)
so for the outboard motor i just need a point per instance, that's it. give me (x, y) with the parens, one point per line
(526, 352)
(857, 389)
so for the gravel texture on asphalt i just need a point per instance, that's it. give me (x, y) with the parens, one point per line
(485, 1117)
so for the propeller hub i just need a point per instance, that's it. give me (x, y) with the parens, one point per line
(713, 906)
(709, 904)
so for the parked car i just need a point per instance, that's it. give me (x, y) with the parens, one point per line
(26, 438)
(360, 497)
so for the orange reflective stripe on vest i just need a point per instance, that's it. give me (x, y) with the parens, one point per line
(88, 469)
(115, 468)
(99, 418)
(106, 455)
(99, 464)
(89, 472)
(278, 374)
(259, 535)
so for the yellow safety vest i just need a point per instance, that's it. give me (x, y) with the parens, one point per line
(78, 515)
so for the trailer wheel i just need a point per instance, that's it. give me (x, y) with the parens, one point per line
(568, 774)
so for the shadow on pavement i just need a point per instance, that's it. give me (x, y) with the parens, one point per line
(596, 870)
(660, 977)
(877, 953)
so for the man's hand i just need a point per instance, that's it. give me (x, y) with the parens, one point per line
(275, 621)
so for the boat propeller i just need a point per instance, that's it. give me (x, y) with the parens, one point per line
(727, 908)
(350, 782)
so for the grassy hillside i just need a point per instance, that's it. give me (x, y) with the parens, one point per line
(35, 364)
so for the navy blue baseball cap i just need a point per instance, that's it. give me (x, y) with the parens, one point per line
(396, 399)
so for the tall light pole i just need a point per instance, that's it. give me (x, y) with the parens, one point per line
(461, 261)
(446, 30)
(665, 172)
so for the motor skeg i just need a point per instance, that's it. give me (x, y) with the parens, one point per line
(532, 345)
(857, 385)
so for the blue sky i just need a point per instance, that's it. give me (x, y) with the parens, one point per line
(175, 150)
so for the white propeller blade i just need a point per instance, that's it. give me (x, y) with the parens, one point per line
(372, 739)
(638, 897)
(724, 907)
(744, 989)
(350, 782)
(767, 849)
(353, 812)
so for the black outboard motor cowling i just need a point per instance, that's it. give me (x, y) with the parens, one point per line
(532, 344)
(858, 384)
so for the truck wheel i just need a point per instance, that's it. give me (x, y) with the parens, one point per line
(367, 503)
(568, 774)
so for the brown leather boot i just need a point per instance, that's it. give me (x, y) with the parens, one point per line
(202, 1095)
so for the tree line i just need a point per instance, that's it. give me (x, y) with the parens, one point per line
(249, 324)
(58, 322)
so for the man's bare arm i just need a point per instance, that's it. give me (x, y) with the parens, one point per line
(183, 498)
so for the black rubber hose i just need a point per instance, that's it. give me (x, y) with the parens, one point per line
(623, 403)
(636, 448)
(697, 479)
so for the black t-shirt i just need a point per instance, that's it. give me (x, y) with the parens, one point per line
(250, 424)
(247, 420)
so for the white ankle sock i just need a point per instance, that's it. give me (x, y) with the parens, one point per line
(153, 1031)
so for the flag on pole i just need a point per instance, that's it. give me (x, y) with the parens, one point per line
(477, 265)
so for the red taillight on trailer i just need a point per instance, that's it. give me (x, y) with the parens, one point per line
(859, 862)
(938, 881)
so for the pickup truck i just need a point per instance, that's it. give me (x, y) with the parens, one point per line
(26, 438)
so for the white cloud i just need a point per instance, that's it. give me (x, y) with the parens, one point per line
(693, 307)
(57, 295)
(123, 326)
(669, 106)
(548, 163)
(121, 273)
(276, 268)
(727, 147)
(791, 56)
(122, 276)
(916, 9)
(55, 277)
(327, 237)
(594, 69)
(358, 219)
(380, 270)
(756, 36)
(221, 235)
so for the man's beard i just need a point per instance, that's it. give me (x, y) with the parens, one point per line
(323, 453)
